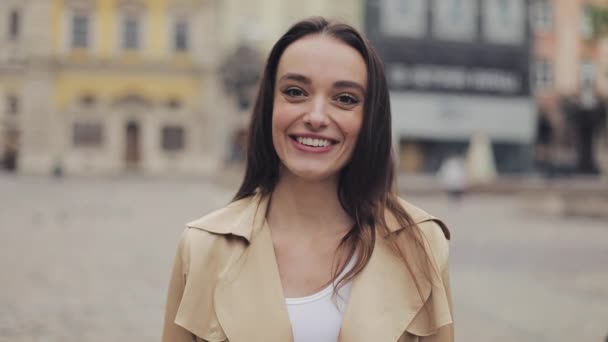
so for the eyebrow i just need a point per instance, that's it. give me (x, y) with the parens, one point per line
(350, 84)
(295, 77)
(337, 84)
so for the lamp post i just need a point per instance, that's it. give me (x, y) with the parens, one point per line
(241, 73)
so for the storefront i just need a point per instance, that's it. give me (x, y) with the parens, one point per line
(456, 69)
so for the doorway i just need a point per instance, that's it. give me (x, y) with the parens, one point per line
(132, 146)
(9, 154)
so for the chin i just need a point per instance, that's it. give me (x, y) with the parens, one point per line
(311, 174)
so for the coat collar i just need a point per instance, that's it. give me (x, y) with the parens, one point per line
(246, 216)
(242, 218)
(249, 300)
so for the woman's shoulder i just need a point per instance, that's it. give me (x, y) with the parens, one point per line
(435, 232)
(430, 225)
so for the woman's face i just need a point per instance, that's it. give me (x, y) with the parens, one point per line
(318, 106)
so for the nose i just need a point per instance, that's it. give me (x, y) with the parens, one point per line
(316, 118)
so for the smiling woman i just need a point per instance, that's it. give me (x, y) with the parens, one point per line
(318, 106)
(316, 245)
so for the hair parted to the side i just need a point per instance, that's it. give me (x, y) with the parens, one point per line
(366, 184)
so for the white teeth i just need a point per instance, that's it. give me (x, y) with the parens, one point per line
(313, 142)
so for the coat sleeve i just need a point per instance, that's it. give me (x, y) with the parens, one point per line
(171, 331)
(446, 332)
(434, 322)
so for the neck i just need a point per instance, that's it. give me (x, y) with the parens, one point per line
(308, 207)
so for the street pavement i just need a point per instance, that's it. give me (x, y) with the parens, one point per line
(88, 259)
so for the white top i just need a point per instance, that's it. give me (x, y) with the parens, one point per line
(318, 317)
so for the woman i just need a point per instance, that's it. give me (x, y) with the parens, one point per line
(316, 245)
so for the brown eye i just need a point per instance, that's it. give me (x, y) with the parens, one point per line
(294, 92)
(347, 99)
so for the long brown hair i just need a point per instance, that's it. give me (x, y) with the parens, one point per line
(366, 188)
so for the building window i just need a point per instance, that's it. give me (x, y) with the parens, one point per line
(14, 25)
(180, 36)
(81, 30)
(542, 15)
(403, 7)
(504, 21)
(587, 22)
(587, 86)
(588, 74)
(174, 104)
(87, 134)
(88, 100)
(172, 138)
(12, 104)
(131, 33)
(455, 20)
(406, 18)
(505, 12)
(456, 11)
(543, 74)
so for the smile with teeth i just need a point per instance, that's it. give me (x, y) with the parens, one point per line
(313, 142)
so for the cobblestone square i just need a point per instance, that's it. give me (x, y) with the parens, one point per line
(87, 259)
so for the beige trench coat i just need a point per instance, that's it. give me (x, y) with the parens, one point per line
(225, 285)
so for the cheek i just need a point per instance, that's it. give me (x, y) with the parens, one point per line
(352, 127)
(278, 121)
(281, 120)
(283, 116)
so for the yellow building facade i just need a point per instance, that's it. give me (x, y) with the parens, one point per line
(107, 86)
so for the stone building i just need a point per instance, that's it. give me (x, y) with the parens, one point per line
(456, 69)
(104, 86)
(569, 62)
(107, 86)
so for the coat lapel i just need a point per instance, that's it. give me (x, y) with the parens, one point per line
(384, 299)
(249, 297)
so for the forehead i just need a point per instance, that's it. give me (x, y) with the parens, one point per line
(321, 57)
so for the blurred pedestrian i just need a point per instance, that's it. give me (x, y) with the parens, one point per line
(316, 245)
(453, 176)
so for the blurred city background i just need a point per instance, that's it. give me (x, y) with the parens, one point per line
(120, 120)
